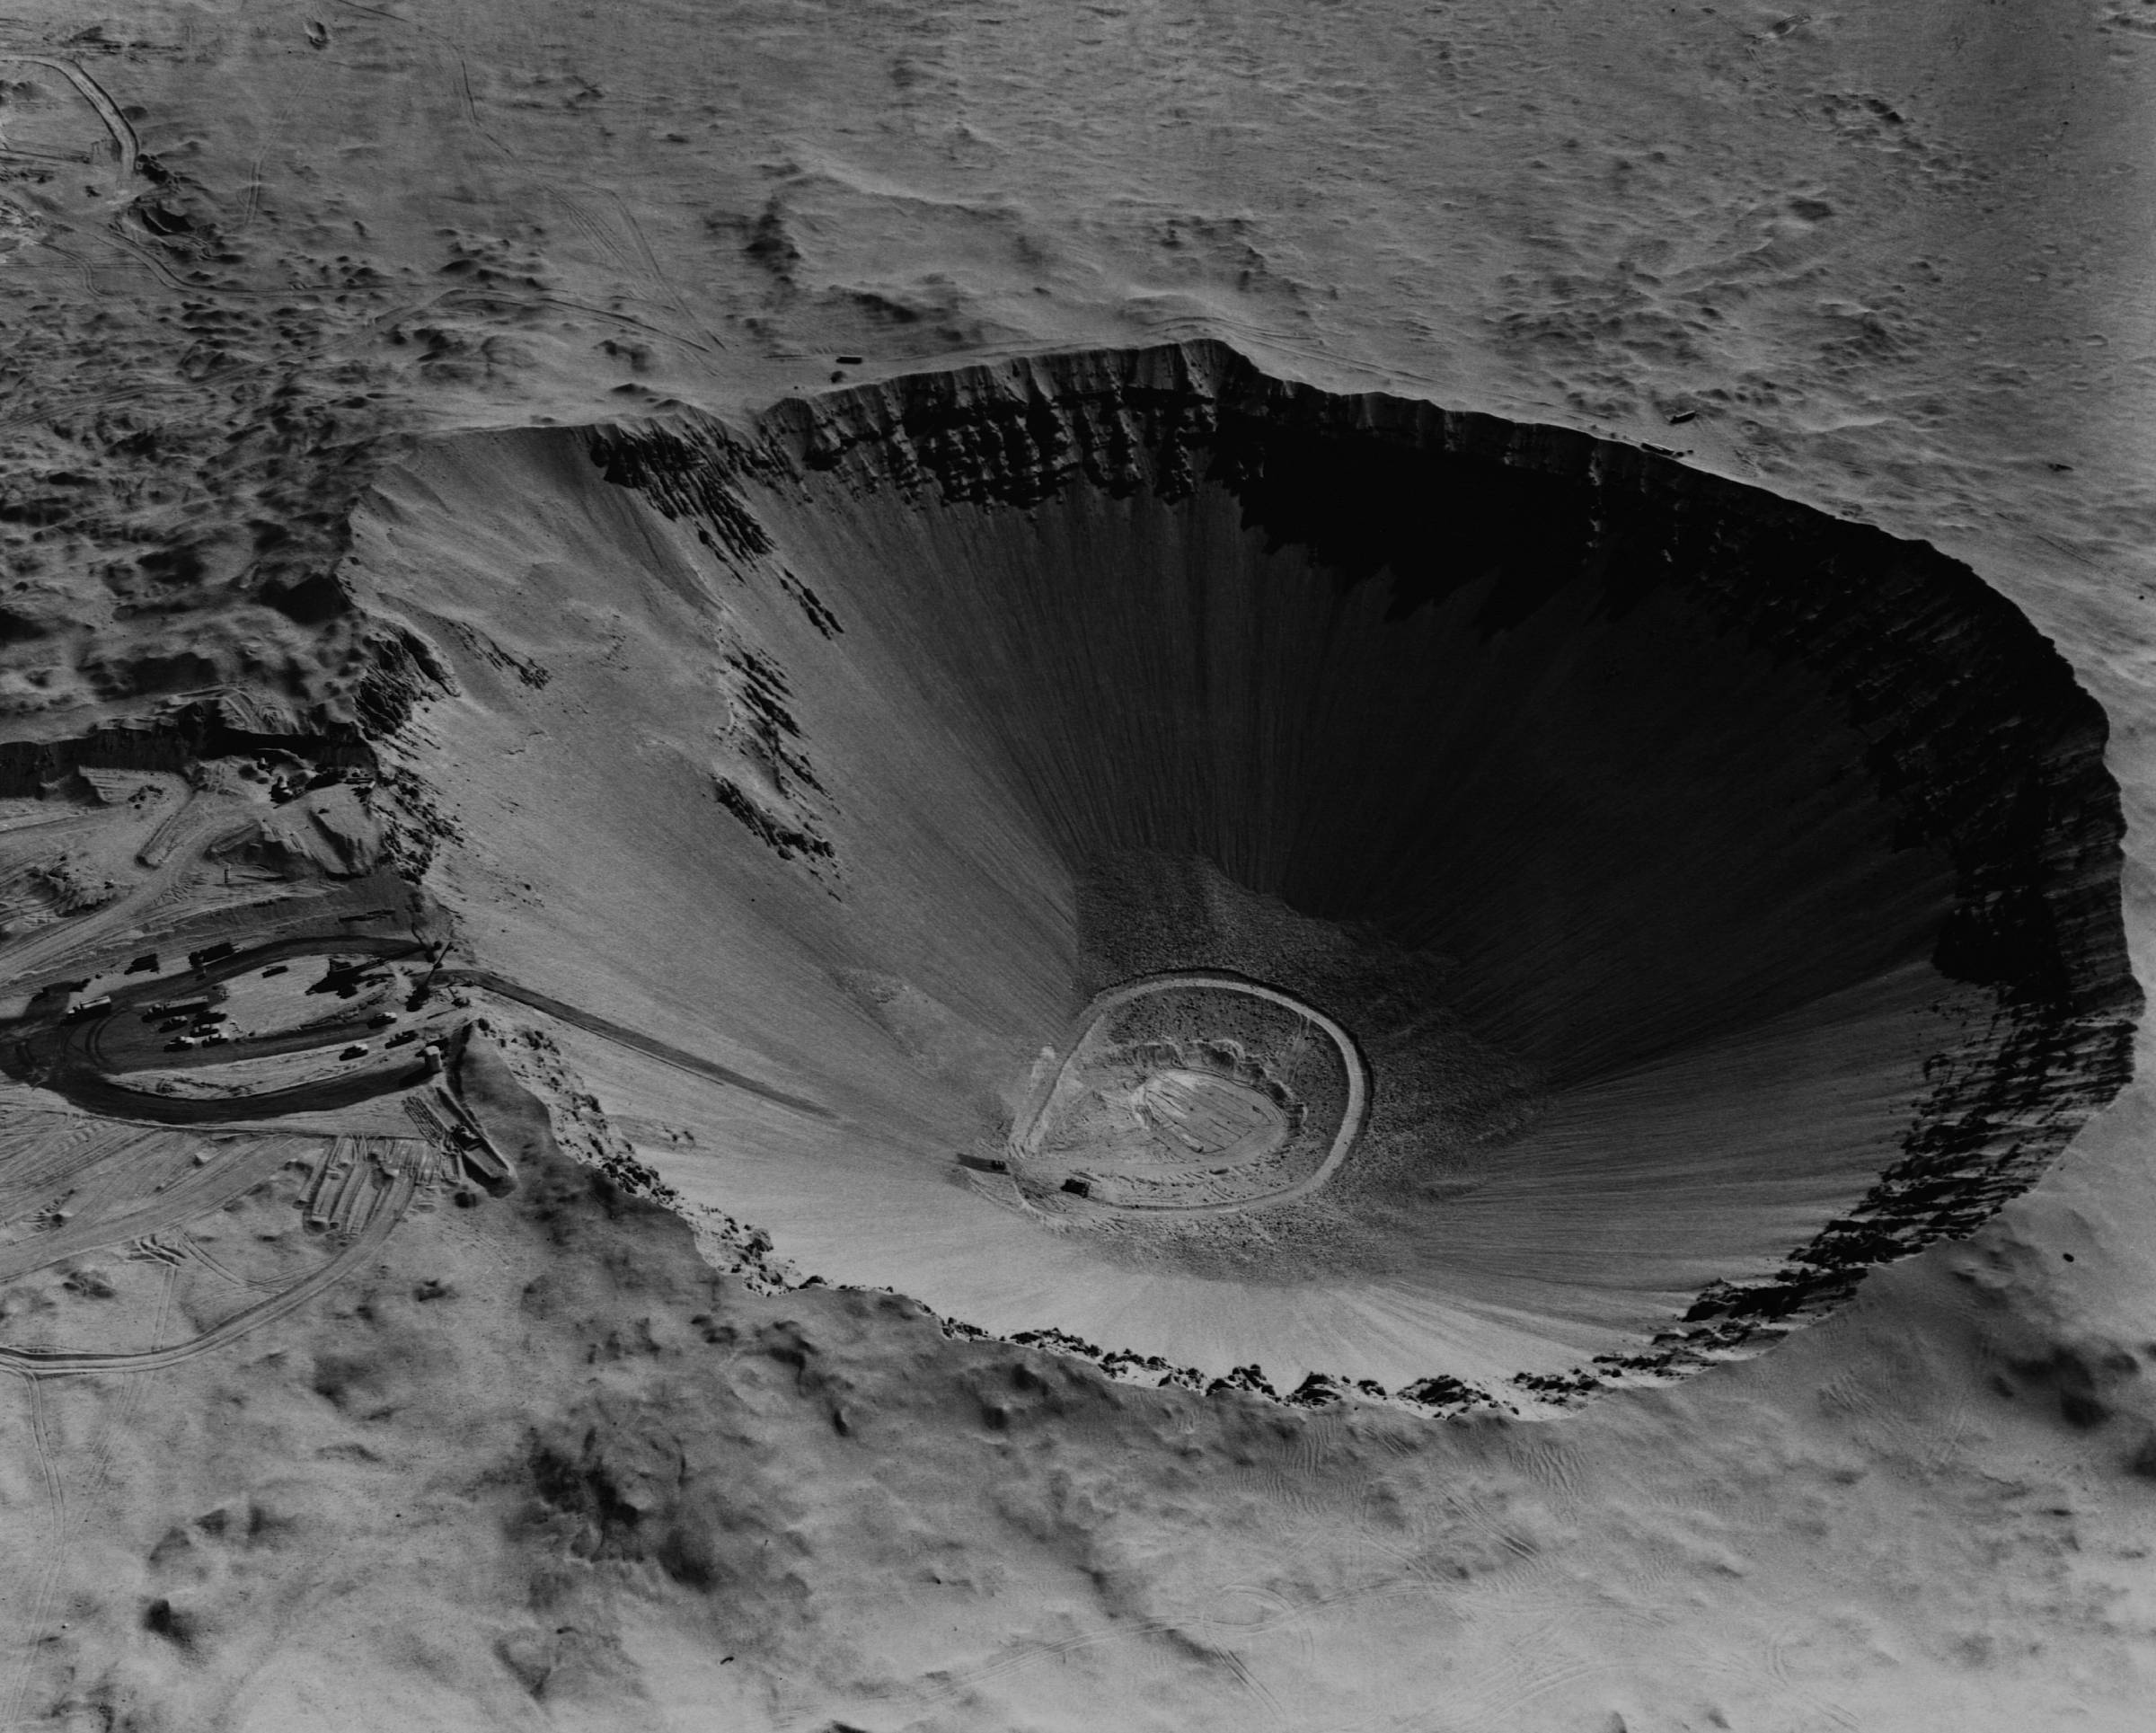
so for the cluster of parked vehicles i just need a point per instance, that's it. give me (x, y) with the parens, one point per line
(192, 1023)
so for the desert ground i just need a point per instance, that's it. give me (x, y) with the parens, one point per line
(1153, 865)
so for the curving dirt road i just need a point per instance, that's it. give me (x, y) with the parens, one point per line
(391, 1200)
(79, 1060)
(620, 1036)
(75, 1060)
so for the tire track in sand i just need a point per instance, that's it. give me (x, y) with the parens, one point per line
(28, 1628)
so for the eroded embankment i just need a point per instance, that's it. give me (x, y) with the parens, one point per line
(1725, 897)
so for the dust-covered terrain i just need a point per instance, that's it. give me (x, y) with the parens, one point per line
(613, 624)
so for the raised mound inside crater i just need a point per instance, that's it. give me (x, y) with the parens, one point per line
(1186, 1094)
(1268, 879)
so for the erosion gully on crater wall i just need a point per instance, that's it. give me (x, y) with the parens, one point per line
(1242, 882)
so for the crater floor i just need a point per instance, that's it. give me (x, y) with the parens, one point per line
(1188, 1093)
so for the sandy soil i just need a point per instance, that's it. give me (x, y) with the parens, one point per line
(533, 1463)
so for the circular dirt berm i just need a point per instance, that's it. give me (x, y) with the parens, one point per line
(1514, 910)
(1186, 1095)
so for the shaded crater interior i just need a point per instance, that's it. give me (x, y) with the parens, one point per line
(1723, 897)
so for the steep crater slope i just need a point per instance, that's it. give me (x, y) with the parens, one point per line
(1715, 899)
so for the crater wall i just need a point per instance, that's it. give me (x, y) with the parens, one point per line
(1725, 897)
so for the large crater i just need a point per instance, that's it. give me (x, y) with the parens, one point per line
(1261, 878)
